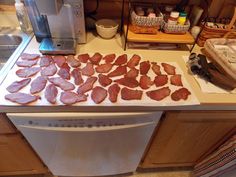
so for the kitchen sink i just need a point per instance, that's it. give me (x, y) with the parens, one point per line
(12, 44)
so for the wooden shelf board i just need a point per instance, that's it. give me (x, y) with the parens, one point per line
(160, 37)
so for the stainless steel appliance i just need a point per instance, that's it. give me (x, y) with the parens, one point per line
(88, 144)
(58, 24)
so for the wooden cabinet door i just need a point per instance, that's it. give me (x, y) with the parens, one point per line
(16, 157)
(183, 137)
(5, 125)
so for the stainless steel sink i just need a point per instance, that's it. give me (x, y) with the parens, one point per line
(12, 44)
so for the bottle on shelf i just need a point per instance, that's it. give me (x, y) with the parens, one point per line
(22, 16)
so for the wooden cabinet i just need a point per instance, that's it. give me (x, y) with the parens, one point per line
(184, 137)
(16, 156)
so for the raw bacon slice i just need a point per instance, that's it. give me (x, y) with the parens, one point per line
(27, 72)
(156, 68)
(128, 82)
(113, 92)
(69, 98)
(59, 60)
(120, 70)
(134, 61)
(83, 58)
(51, 93)
(28, 56)
(169, 69)
(104, 80)
(62, 83)
(159, 94)
(104, 68)
(176, 80)
(21, 98)
(26, 63)
(64, 71)
(17, 85)
(38, 85)
(96, 58)
(49, 70)
(109, 58)
(45, 61)
(122, 59)
(179, 94)
(72, 61)
(161, 80)
(98, 94)
(87, 86)
(132, 73)
(88, 70)
(145, 82)
(144, 67)
(77, 76)
(128, 94)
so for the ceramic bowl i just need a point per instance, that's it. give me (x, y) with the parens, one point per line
(106, 28)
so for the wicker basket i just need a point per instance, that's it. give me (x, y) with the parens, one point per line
(176, 29)
(146, 25)
(209, 32)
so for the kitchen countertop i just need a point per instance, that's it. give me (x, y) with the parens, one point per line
(96, 44)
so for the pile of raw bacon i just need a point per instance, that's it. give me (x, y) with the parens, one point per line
(72, 79)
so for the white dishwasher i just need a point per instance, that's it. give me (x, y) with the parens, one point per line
(88, 144)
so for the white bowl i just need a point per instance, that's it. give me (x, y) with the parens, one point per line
(106, 28)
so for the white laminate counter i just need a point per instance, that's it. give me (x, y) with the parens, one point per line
(97, 44)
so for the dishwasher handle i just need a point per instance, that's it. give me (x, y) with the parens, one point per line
(88, 129)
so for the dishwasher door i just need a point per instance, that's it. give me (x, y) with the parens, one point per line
(88, 144)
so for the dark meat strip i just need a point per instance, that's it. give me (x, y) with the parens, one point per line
(132, 73)
(64, 71)
(176, 80)
(28, 56)
(98, 94)
(128, 82)
(27, 72)
(120, 70)
(45, 61)
(49, 70)
(145, 82)
(88, 70)
(169, 69)
(21, 98)
(109, 58)
(59, 60)
(51, 93)
(38, 85)
(134, 61)
(72, 61)
(69, 98)
(18, 85)
(161, 80)
(83, 58)
(122, 59)
(62, 83)
(87, 86)
(104, 80)
(144, 67)
(128, 94)
(156, 68)
(26, 63)
(113, 92)
(96, 58)
(179, 94)
(77, 76)
(159, 94)
(104, 68)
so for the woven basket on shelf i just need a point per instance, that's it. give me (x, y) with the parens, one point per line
(144, 24)
(176, 29)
